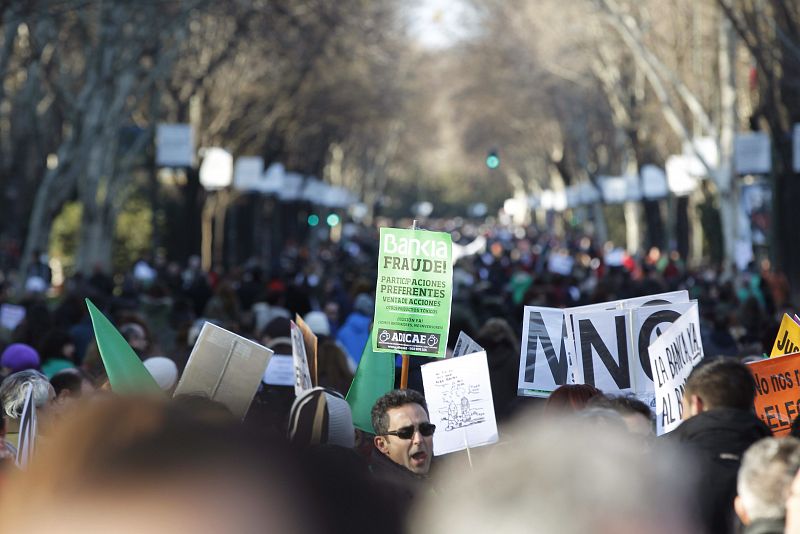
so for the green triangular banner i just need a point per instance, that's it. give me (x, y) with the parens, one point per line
(127, 374)
(374, 377)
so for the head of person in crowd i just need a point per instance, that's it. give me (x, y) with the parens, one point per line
(13, 391)
(718, 383)
(14, 388)
(502, 353)
(137, 337)
(164, 371)
(318, 322)
(718, 426)
(403, 431)
(765, 477)
(142, 465)
(70, 385)
(545, 481)
(570, 398)
(637, 415)
(333, 366)
(321, 416)
(277, 335)
(57, 350)
(19, 357)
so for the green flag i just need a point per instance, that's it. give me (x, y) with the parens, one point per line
(126, 372)
(374, 377)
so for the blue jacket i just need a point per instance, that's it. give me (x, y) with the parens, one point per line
(354, 333)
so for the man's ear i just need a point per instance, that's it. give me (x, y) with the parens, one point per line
(738, 505)
(698, 406)
(380, 444)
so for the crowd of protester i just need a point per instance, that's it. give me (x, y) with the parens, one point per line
(581, 461)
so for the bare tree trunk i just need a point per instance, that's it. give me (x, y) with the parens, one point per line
(724, 177)
(633, 227)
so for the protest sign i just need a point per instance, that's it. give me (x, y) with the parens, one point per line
(672, 357)
(414, 292)
(459, 397)
(465, 345)
(11, 315)
(788, 339)
(617, 329)
(648, 323)
(225, 368)
(280, 371)
(311, 343)
(544, 363)
(777, 391)
(302, 375)
(126, 373)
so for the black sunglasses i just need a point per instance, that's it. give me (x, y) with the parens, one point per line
(407, 432)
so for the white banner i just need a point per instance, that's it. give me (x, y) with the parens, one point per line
(752, 153)
(458, 392)
(247, 173)
(465, 345)
(174, 145)
(673, 355)
(543, 363)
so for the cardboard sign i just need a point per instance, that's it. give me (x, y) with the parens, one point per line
(544, 363)
(788, 339)
(302, 376)
(311, 343)
(648, 323)
(224, 367)
(280, 371)
(617, 330)
(777, 391)
(414, 292)
(672, 356)
(11, 315)
(459, 396)
(465, 345)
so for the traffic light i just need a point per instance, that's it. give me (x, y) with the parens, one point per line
(332, 220)
(313, 219)
(492, 159)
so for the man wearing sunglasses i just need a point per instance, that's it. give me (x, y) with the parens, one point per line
(404, 435)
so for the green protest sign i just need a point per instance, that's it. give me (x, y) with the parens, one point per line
(412, 304)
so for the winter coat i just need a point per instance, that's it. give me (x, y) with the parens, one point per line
(718, 438)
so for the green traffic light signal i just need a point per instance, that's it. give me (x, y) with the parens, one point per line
(333, 220)
(492, 160)
(313, 219)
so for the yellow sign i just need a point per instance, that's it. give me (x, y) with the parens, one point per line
(788, 339)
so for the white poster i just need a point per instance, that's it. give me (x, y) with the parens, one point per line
(247, 173)
(459, 396)
(224, 367)
(752, 153)
(544, 363)
(465, 345)
(601, 336)
(648, 323)
(174, 145)
(302, 376)
(673, 355)
(280, 371)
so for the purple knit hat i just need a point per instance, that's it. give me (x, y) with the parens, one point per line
(19, 357)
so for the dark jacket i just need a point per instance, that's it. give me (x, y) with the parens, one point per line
(765, 526)
(718, 438)
(404, 484)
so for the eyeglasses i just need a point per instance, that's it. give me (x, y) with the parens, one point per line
(407, 432)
